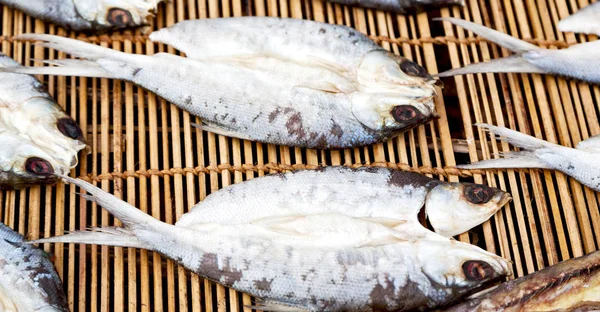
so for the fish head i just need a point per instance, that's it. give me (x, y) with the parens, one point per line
(116, 14)
(23, 163)
(43, 122)
(454, 208)
(395, 94)
(460, 267)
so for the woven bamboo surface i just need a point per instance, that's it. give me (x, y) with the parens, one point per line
(145, 151)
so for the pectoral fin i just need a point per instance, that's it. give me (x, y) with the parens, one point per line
(208, 127)
(511, 64)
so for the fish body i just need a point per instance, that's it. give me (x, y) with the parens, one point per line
(88, 15)
(28, 281)
(400, 6)
(572, 285)
(348, 92)
(584, 21)
(376, 193)
(39, 139)
(579, 61)
(322, 260)
(580, 162)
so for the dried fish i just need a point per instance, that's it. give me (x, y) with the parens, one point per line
(38, 138)
(572, 285)
(400, 6)
(577, 61)
(340, 257)
(88, 15)
(451, 208)
(586, 20)
(28, 281)
(580, 162)
(304, 84)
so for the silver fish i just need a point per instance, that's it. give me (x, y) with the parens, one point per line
(570, 286)
(88, 15)
(579, 61)
(304, 84)
(580, 162)
(38, 138)
(339, 257)
(28, 281)
(586, 20)
(400, 6)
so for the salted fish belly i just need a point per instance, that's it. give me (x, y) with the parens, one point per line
(28, 281)
(452, 208)
(303, 41)
(384, 272)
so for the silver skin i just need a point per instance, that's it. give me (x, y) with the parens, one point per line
(28, 281)
(400, 6)
(38, 138)
(579, 61)
(586, 20)
(324, 259)
(313, 85)
(580, 162)
(88, 15)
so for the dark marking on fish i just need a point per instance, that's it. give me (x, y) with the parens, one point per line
(209, 267)
(322, 31)
(274, 114)
(188, 100)
(336, 129)
(264, 284)
(295, 126)
(404, 178)
(136, 71)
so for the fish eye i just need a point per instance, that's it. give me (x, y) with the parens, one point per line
(119, 17)
(413, 69)
(38, 166)
(406, 114)
(68, 127)
(478, 194)
(477, 270)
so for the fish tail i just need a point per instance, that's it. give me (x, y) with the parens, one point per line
(499, 38)
(132, 218)
(512, 160)
(523, 159)
(113, 236)
(95, 62)
(511, 64)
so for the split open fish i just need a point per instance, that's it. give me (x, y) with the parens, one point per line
(586, 20)
(579, 61)
(28, 281)
(38, 138)
(313, 248)
(570, 286)
(281, 81)
(88, 15)
(400, 6)
(580, 162)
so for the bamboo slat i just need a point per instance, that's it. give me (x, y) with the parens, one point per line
(145, 150)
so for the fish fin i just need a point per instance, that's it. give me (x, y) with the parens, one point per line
(512, 160)
(129, 215)
(112, 236)
(592, 144)
(517, 138)
(499, 38)
(382, 241)
(99, 62)
(209, 127)
(511, 64)
(387, 222)
(583, 21)
(272, 306)
(323, 86)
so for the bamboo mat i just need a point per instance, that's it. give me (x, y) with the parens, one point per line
(145, 151)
